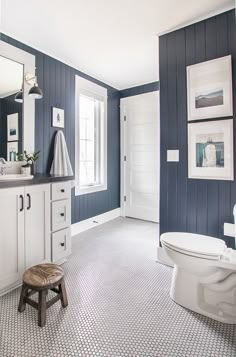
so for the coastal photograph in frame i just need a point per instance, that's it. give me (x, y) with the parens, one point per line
(209, 89)
(12, 127)
(57, 117)
(210, 150)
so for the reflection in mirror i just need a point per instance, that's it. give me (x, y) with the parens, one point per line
(11, 108)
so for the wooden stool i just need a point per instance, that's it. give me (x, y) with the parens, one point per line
(41, 278)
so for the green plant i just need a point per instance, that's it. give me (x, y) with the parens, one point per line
(29, 158)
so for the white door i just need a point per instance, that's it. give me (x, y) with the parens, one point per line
(140, 161)
(12, 251)
(37, 224)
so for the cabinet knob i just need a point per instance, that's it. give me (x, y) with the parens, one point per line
(62, 190)
(62, 244)
(62, 214)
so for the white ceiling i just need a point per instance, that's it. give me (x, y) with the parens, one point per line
(11, 76)
(112, 40)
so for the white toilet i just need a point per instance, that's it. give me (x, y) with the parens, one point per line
(204, 276)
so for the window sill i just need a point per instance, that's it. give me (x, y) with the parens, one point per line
(89, 189)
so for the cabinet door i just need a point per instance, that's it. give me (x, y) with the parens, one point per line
(37, 224)
(12, 246)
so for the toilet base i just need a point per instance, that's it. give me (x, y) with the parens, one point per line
(215, 300)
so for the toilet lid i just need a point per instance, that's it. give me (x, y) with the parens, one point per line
(194, 243)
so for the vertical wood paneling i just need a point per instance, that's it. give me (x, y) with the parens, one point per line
(212, 186)
(145, 88)
(57, 81)
(181, 130)
(163, 57)
(172, 124)
(202, 205)
(191, 184)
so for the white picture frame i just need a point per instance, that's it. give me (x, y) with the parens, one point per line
(58, 120)
(12, 150)
(210, 150)
(12, 127)
(209, 89)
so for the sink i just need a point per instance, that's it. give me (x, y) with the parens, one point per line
(15, 177)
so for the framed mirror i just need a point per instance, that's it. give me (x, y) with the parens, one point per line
(17, 109)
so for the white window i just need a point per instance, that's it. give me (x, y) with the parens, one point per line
(90, 137)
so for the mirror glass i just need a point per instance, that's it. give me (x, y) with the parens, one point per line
(11, 108)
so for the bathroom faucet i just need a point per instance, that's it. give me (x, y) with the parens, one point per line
(2, 160)
(2, 170)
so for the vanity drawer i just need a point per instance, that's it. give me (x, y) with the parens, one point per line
(61, 215)
(61, 244)
(60, 191)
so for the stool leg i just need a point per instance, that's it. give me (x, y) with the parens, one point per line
(23, 294)
(42, 308)
(62, 289)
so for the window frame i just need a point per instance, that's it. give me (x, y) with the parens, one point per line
(88, 88)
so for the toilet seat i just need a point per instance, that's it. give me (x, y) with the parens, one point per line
(195, 245)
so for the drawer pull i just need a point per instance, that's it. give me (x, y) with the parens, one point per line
(62, 244)
(62, 214)
(22, 203)
(62, 190)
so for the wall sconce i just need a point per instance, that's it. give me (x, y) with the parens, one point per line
(34, 92)
(19, 97)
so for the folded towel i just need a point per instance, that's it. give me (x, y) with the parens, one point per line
(61, 163)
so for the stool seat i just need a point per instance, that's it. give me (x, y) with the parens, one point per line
(39, 279)
(43, 275)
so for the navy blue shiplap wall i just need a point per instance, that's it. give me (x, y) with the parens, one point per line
(57, 81)
(191, 205)
(145, 88)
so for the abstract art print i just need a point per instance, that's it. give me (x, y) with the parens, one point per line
(12, 127)
(210, 89)
(210, 150)
(57, 117)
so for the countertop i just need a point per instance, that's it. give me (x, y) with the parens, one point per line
(37, 180)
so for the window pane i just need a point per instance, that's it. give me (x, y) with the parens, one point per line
(91, 123)
(90, 150)
(83, 156)
(87, 173)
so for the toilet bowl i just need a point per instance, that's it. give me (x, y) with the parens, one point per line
(204, 276)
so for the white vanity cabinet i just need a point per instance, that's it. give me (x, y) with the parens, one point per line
(12, 241)
(61, 220)
(24, 231)
(37, 224)
(34, 228)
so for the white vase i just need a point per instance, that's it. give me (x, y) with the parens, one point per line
(26, 170)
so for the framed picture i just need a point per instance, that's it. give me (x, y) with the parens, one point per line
(58, 117)
(12, 127)
(210, 150)
(209, 89)
(12, 150)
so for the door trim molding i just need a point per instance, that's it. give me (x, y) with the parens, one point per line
(95, 221)
(122, 154)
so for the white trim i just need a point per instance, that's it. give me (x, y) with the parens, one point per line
(28, 61)
(196, 20)
(122, 153)
(162, 257)
(85, 86)
(82, 226)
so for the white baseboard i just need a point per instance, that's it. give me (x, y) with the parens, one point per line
(162, 257)
(82, 226)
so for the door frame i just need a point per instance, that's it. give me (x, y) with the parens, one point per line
(123, 151)
(122, 154)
